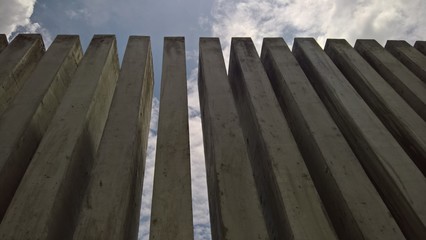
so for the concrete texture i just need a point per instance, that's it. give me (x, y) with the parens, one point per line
(324, 147)
(292, 207)
(47, 202)
(112, 203)
(17, 62)
(26, 120)
(405, 83)
(421, 46)
(235, 208)
(171, 215)
(408, 128)
(409, 56)
(3, 42)
(400, 183)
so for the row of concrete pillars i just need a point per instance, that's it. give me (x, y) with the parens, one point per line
(301, 144)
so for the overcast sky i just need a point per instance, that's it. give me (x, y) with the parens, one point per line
(321, 19)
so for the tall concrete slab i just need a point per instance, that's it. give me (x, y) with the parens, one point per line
(235, 208)
(292, 207)
(408, 128)
(112, 203)
(48, 199)
(26, 120)
(405, 83)
(395, 176)
(409, 56)
(171, 214)
(17, 62)
(3, 42)
(324, 147)
(421, 46)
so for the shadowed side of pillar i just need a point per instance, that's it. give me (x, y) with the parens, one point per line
(3, 42)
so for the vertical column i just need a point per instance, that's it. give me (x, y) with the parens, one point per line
(112, 203)
(3, 42)
(235, 209)
(47, 202)
(408, 128)
(405, 83)
(26, 120)
(395, 176)
(324, 147)
(409, 56)
(421, 46)
(171, 216)
(17, 62)
(290, 201)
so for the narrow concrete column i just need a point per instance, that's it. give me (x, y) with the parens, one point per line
(291, 204)
(47, 202)
(405, 83)
(324, 147)
(421, 46)
(17, 61)
(409, 56)
(171, 215)
(395, 176)
(235, 208)
(3, 42)
(26, 120)
(112, 203)
(408, 128)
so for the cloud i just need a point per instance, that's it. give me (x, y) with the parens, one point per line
(14, 13)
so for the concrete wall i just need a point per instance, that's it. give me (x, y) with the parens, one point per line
(299, 144)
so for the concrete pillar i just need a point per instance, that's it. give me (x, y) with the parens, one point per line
(112, 203)
(409, 56)
(171, 215)
(26, 120)
(3, 42)
(47, 202)
(324, 147)
(397, 179)
(235, 208)
(405, 83)
(17, 61)
(421, 46)
(408, 128)
(291, 204)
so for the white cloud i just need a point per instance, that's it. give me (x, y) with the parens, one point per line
(14, 13)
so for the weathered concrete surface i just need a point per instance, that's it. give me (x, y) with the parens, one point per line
(171, 214)
(23, 124)
(292, 207)
(17, 62)
(112, 203)
(405, 83)
(421, 46)
(408, 128)
(47, 202)
(3, 42)
(409, 56)
(235, 209)
(352, 202)
(395, 176)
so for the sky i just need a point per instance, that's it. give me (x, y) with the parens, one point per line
(320, 19)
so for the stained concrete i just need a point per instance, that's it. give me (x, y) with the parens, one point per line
(292, 207)
(17, 61)
(400, 183)
(235, 208)
(408, 85)
(47, 202)
(409, 56)
(421, 46)
(26, 120)
(3, 42)
(112, 203)
(408, 128)
(337, 174)
(171, 214)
